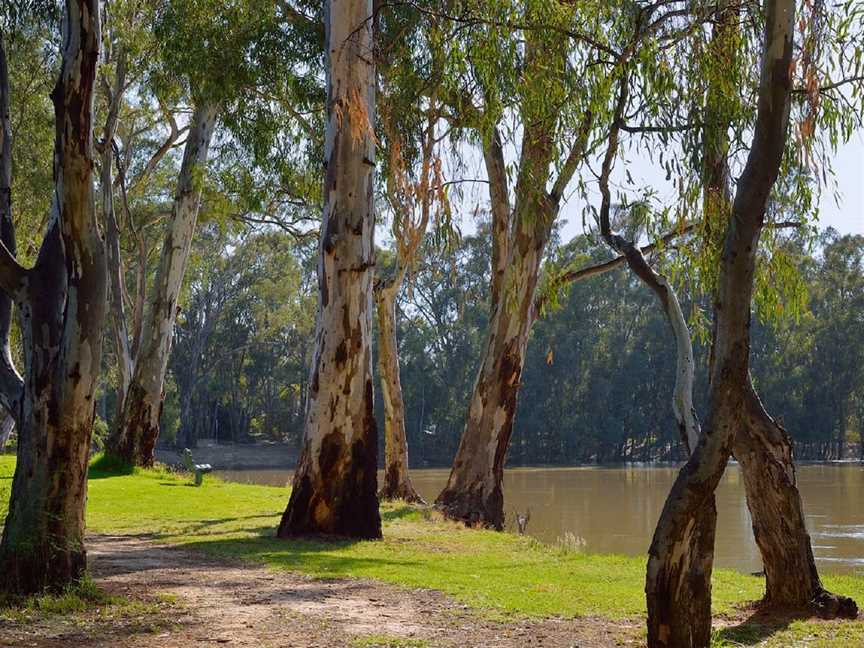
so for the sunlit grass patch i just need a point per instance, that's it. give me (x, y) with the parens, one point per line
(388, 641)
(75, 598)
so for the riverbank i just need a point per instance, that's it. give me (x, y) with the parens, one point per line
(153, 533)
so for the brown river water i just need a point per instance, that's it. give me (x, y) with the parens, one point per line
(614, 509)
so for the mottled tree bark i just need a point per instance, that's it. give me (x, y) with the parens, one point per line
(761, 446)
(335, 483)
(397, 481)
(499, 200)
(473, 492)
(678, 585)
(137, 428)
(792, 582)
(62, 304)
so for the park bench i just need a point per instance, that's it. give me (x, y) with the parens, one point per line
(198, 469)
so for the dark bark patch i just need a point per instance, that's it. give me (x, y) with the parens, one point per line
(341, 355)
(332, 448)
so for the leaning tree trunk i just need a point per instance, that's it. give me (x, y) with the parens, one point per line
(762, 447)
(137, 428)
(764, 450)
(397, 481)
(473, 493)
(335, 482)
(678, 585)
(62, 304)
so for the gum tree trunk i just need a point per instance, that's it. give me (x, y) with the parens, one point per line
(112, 233)
(335, 483)
(473, 492)
(761, 446)
(137, 428)
(397, 481)
(678, 585)
(62, 304)
(764, 450)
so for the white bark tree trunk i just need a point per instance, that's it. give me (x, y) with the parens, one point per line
(137, 429)
(335, 482)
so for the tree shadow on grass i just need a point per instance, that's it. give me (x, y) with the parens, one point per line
(759, 626)
(319, 557)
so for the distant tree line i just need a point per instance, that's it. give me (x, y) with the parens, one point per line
(598, 371)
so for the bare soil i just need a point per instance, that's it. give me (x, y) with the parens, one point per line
(189, 600)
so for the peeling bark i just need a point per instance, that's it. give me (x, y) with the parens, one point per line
(678, 585)
(62, 307)
(792, 583)
(137, 428)
(761, 446)
(473, 492)
(335, 482)
(397, 481)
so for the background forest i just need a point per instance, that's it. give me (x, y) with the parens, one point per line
(597, 376)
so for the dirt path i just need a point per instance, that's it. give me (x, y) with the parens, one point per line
(197, 601)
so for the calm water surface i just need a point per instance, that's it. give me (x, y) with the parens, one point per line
(614, 509)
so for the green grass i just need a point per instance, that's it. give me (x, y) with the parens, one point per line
(76, 598)
(500, 574)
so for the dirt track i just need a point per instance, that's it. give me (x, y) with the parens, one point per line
(207, 602)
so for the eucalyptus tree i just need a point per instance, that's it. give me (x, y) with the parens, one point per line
(335, 483)
(412, 204)
(679, 567)
(561, 99)
(216, 55)
(61, 301)
(410, 79)
(541, 78)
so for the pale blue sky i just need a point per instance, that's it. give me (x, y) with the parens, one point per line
(846, 217)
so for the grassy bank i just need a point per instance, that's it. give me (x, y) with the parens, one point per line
(496, 573)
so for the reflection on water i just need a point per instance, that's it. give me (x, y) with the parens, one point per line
(614, 509)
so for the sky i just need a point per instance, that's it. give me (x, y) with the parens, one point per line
(847, 217)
